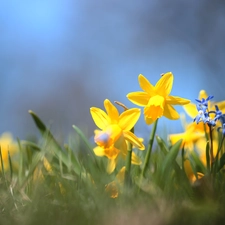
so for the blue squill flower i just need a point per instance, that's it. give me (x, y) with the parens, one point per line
(202, 114)
(218, 113)
(204, 102)
(222, 120)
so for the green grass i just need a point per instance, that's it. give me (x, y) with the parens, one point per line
(71, 189)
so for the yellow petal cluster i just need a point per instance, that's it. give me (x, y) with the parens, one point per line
(156, 99)
(191, 136)
(114, 132)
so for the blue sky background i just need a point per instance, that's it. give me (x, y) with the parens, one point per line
(59, 58)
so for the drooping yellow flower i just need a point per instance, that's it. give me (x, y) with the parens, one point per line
(115, 187)
(8, 146)
(193, 141)
(191, 137)
(156, 99)
(115, 131)
(189, 171)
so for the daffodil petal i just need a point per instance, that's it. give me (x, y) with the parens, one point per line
(191, 110)
(165, 84)
(139, 98)
(146, 85)
(120, 175)
(176, 137)
(100, 118)
(111, 165)
(133, 139)
(200, 146)
(188, 169)
(128, 118)
(7, 145)
(111, 152)
(97, 131)
(170, 112)
(174, 100)
(200, 128)
(112, 189)
(111, 111)
(149, 120)
(122, 145)
(135, 159)
(221, 105)
(99, 151)
(202, 94)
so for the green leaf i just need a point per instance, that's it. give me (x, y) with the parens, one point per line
(222, 162)
(42, 128)
(2, 163)
(166, 151)
(162, 145)
(31, 144)
(171, 156)
(47, 135)
(195, 157)
(207, 156)
(91, 158)
(81, 134)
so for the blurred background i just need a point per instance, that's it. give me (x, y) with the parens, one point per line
(60, 57)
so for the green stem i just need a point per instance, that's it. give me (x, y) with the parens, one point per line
(128, 163)
(207, 149)
(149, 150)
(216, 161)
(211, 147)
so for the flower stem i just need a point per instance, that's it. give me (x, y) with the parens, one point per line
(211, 146)
(128, 163)
(207, 148)
(216, 160)
(149, 150)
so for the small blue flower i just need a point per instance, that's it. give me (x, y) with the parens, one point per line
(204, 102)
(223, 128)
(210, 121)
(222, 121)
(202, 114)
(217, 113)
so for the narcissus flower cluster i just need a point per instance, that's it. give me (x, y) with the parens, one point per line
(115, 130)
(115, 137)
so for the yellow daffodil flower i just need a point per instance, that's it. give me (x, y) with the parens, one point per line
(115, 131)
(191, 137)
(8, 145)
(156, 99)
